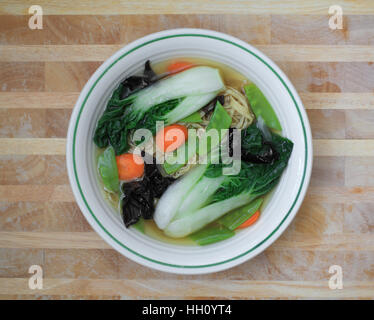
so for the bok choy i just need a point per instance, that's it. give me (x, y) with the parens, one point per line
(205, 194)
(170, 100)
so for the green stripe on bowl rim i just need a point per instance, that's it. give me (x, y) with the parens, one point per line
(160, 262)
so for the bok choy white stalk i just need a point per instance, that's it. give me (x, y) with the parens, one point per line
(205, 194)
(169, 100)
(169, 203)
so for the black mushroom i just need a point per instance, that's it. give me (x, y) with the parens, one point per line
(138, 197)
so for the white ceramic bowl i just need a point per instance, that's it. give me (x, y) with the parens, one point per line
(284, 202)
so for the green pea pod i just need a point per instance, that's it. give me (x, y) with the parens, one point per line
(235, 218)
(182, 158)
(171, 168)
(108, 170)
(261, 106)
(211, 235)
(220, 119)
(193, 118)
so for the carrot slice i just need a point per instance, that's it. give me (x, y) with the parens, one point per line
(179, 66)
(171, 137)
(130, 166)
(250, 221)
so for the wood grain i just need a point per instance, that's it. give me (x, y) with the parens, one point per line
(66, 100)
(41, 75)
(21, 76)
(68, 76)
(20, 7)
(43, 146)
(337, 53)
(91, 240)
(330, 76)
(52, 216)
(159, 288)
(56, 146)
(43, 193)
(291, 29)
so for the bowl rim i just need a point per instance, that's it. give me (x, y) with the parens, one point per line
(95, 222)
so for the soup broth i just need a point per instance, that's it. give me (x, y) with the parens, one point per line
(231, 78)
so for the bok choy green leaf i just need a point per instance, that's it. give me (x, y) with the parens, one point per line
(170, 100)
(211, 194)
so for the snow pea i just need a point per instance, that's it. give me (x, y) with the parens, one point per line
(108, 170)
(235, 218)
(220, 119)
(193, 118)
(261, 106)
(211, 235)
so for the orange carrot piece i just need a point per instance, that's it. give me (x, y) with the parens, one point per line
(250, 221)
(179, 66)
(130, 166)
(171, 137)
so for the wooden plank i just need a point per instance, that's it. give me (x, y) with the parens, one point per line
(22, 123)
(38, 193)
(328, 53)
(327, 124)
(66, 29)
(52, 240)
(347, 195)
(38, 100)
(287, 265)
(68, 76)
(101, 52)
(57, 297)
(52, 146)
(116, 29)
(336, 100)
(340, 148)
(192, 287)
(91, 240)
(66, 100)
(56, 146)
(42, 216)
(81, 264)
(359, 171)
(33, 169)
(359, 218)
(34, 123)
(314, 30)
(22, 76)
(43, 53)
(20, 7)
(250, 27)
(328, 171)
(57, 123)
(15, 263)
(360, 124)
(330, 76)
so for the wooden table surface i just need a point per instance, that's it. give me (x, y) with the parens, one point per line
(41, 74)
